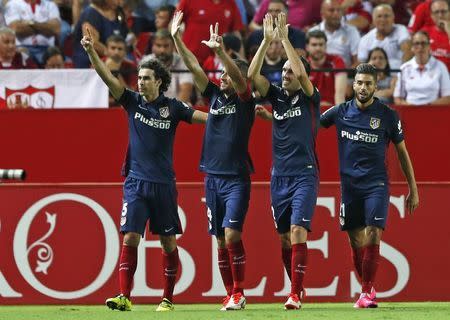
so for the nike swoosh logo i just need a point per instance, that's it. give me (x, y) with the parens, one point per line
(376, 218)
(281, 100)
(239, 258)
(345, 118)
(306, 220)
(233, 221)
(167, 230)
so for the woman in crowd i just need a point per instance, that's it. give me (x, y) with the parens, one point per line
(386, 82)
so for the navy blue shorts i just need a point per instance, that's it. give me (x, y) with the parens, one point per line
(156, 202)
(293, 201)
(227, 199)
(364, 208)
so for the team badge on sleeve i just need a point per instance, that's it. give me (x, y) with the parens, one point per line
(374, 123)
(164, 112)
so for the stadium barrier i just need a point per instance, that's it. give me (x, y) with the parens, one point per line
(88, 145)
(60, 245)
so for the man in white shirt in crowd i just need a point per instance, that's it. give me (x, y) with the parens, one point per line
(182, 82)
(36, 23)
(343, 39)
(393, 38)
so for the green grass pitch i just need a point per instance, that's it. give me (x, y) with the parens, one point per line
(312, 311)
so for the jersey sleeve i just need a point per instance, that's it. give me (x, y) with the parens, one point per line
(328, 118)
(128, 100)
(395, 130)
(184, 112)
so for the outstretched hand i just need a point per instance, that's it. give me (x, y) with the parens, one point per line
(269, 30)
(176, 23)
(87, 42)
(215, 41)
(282, 27)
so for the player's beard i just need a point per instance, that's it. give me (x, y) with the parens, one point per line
(366, 98)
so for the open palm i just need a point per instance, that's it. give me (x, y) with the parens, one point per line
(176, 23)
(269, 30)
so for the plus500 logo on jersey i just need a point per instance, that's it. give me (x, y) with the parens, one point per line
(224, 110)
(291, 113)
(360, 136)
(155, 123)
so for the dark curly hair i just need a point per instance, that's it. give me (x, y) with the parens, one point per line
(367, 68)
(160, 71)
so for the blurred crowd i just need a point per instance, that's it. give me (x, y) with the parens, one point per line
(407, 40)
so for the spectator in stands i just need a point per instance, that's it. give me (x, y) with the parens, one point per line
(53, 58)
(331, 85)
(421, 17)
(393, 38)
(37, 24)
(301, 14)
(439, 32)
(343, 39)
(116, 61)
(2, 10)
(199, 13)
(232, 46)
(163, 16)
(103, 19)
(273, 62)
(296, 36)
(385, 81)
(357, 13)
(10, 58)
(423, 79)
(163, 49)
(402, 8)
(145, 16)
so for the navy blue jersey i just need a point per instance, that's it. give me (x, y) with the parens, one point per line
(363, 138)
(152, 127)
(225, 144)
(294, 131)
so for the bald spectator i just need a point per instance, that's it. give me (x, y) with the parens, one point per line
(37, 24)
(296, 36)
(199, 14)
(163, 49)
(393, 38)
(301, 14)
(331, 85)
(10, 58)
(439, 32)
(343, 39)
(423, 79)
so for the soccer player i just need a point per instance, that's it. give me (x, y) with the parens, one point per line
(149, 189)
(295, 177)
(225, 158)
(365, 126)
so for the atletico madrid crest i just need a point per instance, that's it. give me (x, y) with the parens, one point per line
(374, 123)
(164, 112)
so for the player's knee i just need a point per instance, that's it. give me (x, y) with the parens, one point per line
(232, 235)
(285, 239)
(168, 243)
(373, 235)
(298, 234)
(131, 239)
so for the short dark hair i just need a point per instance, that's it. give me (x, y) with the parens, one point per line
(387, 69)
(279, 1)
(160, 71)
(306, 65)
(163, 34)
(367, 68)
(231, 41)
(242, 65)
(169, 8)
(115, 38)
(51, 52)
(316, 34)
(422, 32)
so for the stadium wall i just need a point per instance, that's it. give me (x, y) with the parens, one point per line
(60, 245)
(82, 145)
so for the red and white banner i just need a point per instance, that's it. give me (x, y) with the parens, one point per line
(60, 244)
(48, 89)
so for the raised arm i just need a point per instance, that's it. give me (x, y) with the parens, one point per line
(191, 62)
(114, 85)
(296, 64)
(254, 71)
(412, 201)
(215, 43)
